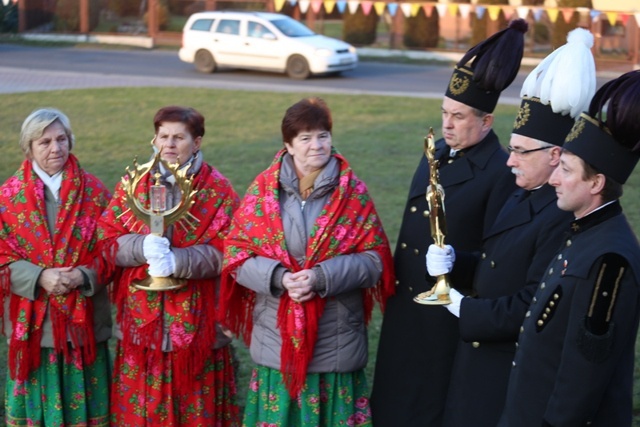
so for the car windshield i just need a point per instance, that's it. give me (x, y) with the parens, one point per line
(292, 28)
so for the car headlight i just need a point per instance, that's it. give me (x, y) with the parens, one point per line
(352, 49)
(324, 52)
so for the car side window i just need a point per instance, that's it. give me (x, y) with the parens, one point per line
(229, 26)
(257, 30)
(202, 25)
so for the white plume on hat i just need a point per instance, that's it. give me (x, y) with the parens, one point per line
(566, 78)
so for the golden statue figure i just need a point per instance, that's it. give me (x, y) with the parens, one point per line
(439, 294)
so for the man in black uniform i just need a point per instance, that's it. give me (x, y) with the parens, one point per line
(519, 245)
(417, 342)
(574, 361)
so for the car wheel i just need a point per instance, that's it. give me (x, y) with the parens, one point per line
(204, 62)
(298, 67)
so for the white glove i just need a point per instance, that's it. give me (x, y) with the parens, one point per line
(164, 266)
(155, 246)
(454, 307)
(440, 260)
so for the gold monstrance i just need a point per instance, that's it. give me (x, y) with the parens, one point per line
(439, 294)
(157, 217)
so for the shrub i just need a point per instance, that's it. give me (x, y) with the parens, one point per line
(8, 18)
(67, 15)
(421, 31)
(358, 28)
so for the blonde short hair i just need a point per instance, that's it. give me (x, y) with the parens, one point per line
(34, 125)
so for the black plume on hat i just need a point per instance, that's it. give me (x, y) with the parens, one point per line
(488, 68)
(608, 136)
(616, 106)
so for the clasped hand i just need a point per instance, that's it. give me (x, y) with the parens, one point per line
(61, 280)
(300, 285)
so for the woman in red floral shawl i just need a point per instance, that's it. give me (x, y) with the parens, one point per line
(55, 307)
(173, 364)
(304, 261)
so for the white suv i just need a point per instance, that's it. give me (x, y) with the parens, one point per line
(262, 41)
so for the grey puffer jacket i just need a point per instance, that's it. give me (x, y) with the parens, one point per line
(192, 262)
(341, 345)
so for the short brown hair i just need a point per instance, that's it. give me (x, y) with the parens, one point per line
(305, 115)
(192, 119)
(612, 190)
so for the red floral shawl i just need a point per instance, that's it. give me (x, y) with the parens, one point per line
(25, 236)
(347, 224)
(188, 312)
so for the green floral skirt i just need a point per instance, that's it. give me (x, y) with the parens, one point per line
(60, 394)
(326, 400)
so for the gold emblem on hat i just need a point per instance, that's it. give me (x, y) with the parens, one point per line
(459, 83)
(576, 130)
(523, 115)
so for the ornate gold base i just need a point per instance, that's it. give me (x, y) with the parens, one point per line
(152, 283)
(430, 298)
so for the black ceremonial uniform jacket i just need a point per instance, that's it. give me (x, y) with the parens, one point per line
(418, 342)
(516, 252)
(574, 362)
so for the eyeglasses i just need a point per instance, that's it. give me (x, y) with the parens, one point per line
(521, 152)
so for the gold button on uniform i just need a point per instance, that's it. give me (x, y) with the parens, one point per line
(475, 344)
(413, 209)
(403, 245)
(521, 329)
(425, 213)
(416, 252)
(568, 243)
(551, 271)
(484, 255)
(397, 282)
(493, 264)
(542, 285)
(540, 322)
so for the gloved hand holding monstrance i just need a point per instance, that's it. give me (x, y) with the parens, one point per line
(439, 295)
(156, 247)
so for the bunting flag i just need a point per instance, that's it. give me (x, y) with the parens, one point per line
(465, 10)
(537, 13)
(453, 9)
(342, 5)
(406, 9)
(595, 14)
(379, 7)
(415, 8)
(553, 14)
(494, 12)
(303, 5)
(353, 6)
(278, 4)
(522, 11)
(624, 18)
(316, 5)
(329, 5)
(366, 7)
(392, 8)
(442, 9)
(567, 14)
(428, 9)
(612, 17)
(293, 3)
(508, 11)
(480, 10)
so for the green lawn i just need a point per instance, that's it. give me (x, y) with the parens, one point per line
(381, 136)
